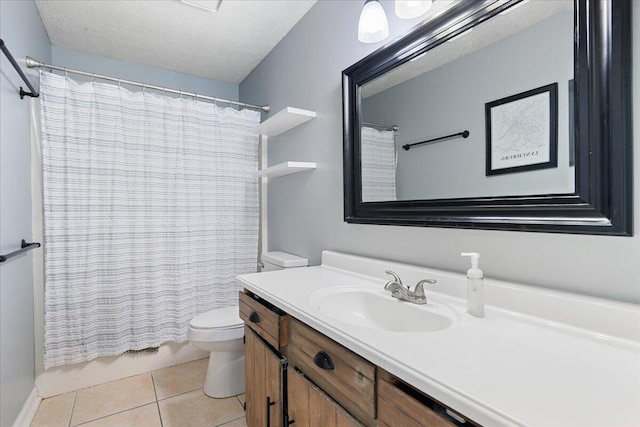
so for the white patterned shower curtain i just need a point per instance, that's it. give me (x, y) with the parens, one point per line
(378, 164)
(150, 211)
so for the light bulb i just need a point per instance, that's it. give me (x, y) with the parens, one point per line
(373, 26)
(409, 9)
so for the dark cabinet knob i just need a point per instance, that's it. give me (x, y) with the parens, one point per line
(323, 361)
(253, 317)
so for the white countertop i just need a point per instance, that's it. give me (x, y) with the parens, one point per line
(509, 368)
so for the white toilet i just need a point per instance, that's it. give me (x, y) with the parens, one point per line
(221, 332)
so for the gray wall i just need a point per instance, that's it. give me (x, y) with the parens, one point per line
(451, 98)
(141, 73)
(306, 210)
(23, 33)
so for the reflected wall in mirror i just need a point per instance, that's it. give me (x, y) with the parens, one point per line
(445, 91)
(444, 78)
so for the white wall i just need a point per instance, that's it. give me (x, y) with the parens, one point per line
(306, 210)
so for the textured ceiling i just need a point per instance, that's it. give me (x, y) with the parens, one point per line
(224, 45)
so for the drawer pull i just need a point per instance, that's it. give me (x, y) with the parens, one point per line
(323, 361)
(269, 405)
(253, 317)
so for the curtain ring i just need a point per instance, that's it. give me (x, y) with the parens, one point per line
(93, 77)
(66, 74)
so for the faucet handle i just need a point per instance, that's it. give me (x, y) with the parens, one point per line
(396, 278)
(419, 290)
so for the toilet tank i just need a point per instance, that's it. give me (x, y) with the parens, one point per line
(272, 261)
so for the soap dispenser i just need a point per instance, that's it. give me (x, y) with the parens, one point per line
(475, 286)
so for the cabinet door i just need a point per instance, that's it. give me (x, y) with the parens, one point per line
(264, 369)
(308, 406)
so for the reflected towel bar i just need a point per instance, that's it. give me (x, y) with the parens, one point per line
(34, 93)
(24, 247)
(463, 134)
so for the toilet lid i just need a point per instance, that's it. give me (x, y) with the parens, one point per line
(223, 318)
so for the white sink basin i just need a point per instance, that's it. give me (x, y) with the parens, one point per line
(378, 310)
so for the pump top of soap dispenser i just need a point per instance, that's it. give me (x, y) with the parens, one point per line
(474, 272)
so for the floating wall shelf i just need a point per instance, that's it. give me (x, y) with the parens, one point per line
(283, 120)
(286, 168)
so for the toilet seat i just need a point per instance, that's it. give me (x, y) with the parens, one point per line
(223, 324)
(227, 317)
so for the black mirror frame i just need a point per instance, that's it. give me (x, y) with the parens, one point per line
(602, 203)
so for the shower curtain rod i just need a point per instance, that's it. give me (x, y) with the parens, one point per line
(375, 125)
(33, 63)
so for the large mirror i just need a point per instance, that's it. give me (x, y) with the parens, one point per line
(499, 115)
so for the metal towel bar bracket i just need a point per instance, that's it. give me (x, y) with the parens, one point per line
(34, 93)
(24, 247)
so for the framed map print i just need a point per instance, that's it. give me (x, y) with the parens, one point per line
(522, 131)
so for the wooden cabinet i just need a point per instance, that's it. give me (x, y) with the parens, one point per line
(265, 332)
(264, 373)
(399, 405)
(320, 383)
(343, 375)
(308, 406)
(266, 320)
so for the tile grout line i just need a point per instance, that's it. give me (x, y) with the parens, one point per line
(115, 413)
(244, 408)
(229, 422)
(179, 394)
(155, 392)
(73, 408)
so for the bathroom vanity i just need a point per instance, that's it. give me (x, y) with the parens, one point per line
(327, 345)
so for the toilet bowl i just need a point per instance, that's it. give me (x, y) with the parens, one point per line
(221, 333)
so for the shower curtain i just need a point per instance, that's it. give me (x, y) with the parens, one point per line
(150, 210)
(378, 163)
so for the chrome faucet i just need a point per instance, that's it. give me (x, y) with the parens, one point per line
(399, 291)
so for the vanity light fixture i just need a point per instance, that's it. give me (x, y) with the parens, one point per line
(373, 26)
(409, 9)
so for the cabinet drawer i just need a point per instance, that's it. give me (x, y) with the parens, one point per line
(266, 320)
(399, 405)
(309, 406)
(346, 377)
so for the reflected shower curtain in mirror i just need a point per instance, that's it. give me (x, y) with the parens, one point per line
(378, 160)
(150, 211)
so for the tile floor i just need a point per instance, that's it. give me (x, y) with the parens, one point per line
(170, 397)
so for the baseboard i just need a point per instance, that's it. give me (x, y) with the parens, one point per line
(29, 409)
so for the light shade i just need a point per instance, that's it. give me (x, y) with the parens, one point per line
(409, 9)
(373, 26)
